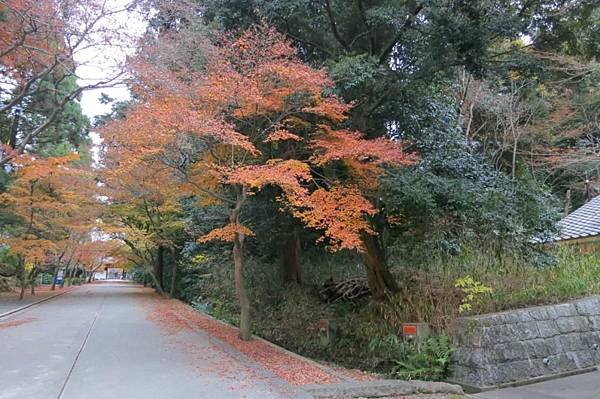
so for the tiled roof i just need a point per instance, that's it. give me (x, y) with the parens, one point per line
(583, 222)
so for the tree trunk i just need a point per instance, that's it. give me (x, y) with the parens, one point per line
(159, 267)
(32, 277)
(65, 276)
(23, 278)
(381, 282)
(14, 130)
(513, 169)
(157, 286)
(23, 285)
(291, 267)
(70, 274)
(173, 279)
(54, 275)
(238, 261)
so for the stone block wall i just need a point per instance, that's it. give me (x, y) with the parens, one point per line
(500, 348)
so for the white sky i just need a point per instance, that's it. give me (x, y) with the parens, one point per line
(102, 62)
(98, 63)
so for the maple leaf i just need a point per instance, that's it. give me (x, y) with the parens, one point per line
(281, 135)
(226, 233)
(287, 174)
(340, 213)
(331, 108)
(344, 144)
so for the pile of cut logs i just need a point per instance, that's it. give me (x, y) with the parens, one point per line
(349, 289)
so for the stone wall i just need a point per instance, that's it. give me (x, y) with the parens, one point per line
(500, 348)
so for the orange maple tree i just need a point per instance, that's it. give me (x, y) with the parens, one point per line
(145, 212)
(31, 35)
(54, 200)
(95, 254)
(255, 116)
(42, 43)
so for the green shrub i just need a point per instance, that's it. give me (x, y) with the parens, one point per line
(73, 281)
(425, 360)
(45, 278)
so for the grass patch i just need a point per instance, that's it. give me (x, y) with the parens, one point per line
(517, 283)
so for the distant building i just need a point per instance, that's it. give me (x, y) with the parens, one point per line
(108, 271)
(114, 273)
(582, 227)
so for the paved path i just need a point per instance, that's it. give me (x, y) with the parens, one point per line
(582, 386)
(98, 342)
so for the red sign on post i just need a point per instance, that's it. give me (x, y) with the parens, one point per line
(412, 331)
(323, 324)
(409, 332)
(409, 329)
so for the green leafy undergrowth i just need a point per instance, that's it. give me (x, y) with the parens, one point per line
(428, 359)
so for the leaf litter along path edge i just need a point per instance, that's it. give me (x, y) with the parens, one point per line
(11, 304)
(174, 316)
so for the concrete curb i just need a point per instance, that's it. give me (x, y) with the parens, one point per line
(17, 310)
(472, 389)
(383, 388)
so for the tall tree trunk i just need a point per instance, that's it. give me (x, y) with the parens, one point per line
(173, 278)
(380, 280)
(23, 285)
(157, 286)
(14, 129)
(513, 168)
(54, 275)
(72, 274)
(22, 278)
(32, 277)
(291, 267)
(65, 274)
(238, 262)
(159, 268)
